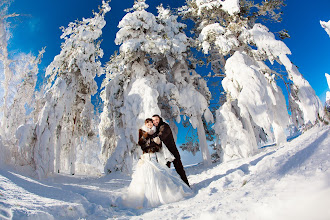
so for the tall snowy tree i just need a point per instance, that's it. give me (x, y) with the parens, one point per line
(6, 71)
(327, 98)
(21, 100)
(18, 80)
(326, 26)
(240, 49)
(189, 83)
(149, 76)
(67, 113)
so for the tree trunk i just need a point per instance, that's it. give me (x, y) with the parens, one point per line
(58, 153)
(202, 142)
(72, 157)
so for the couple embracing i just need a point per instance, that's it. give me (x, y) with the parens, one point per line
(153, 182)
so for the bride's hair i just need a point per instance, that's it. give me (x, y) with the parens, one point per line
(147, 120)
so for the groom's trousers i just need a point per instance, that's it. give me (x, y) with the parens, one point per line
(179, 169)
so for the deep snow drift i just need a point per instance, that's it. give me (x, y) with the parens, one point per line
(287, 182)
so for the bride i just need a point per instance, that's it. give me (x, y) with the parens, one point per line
(153, 183)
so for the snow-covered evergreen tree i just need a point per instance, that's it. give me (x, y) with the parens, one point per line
(19, 76)
(6, 70)
(189, 83)
(326, 26)
(327, 98)
(67, 113)
(149, 76)
(240, 48)
(20, 106)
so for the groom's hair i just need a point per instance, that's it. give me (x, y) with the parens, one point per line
(160, 118)
(156, 116)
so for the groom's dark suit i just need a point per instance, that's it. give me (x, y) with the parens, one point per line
(165, 134)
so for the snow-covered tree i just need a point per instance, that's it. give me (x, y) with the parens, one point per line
(26, 67)
(327, 99)
(20, 103)
(67, 113)
(5, 61)
(149, 76)
(189, 83)
(244, 52)
(18, 80)
(326, 26)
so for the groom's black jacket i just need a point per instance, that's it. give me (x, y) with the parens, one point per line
(164, 132)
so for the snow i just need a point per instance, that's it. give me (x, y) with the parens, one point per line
(327, 76)
(223, 38)
(291, 181)
(326, 26)
(307, 101)
(230, 6)
(266, 42)
(253, 100)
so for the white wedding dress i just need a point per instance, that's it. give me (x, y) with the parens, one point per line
(154, 184)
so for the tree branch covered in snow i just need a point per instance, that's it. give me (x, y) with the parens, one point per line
(326, 26)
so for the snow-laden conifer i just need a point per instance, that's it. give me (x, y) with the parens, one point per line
(18, 80)
(67, 113)
(239, 49)
(150, 75)
(326, 26)
(6, 63)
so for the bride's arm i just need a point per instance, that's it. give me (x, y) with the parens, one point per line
(143, 139)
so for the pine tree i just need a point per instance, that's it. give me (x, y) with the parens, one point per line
(239, 48)
(5, 61)
(150, 75)
(326, 26)
(67, 113)
(19, 81)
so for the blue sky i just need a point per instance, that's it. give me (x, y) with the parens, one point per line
(38, 26)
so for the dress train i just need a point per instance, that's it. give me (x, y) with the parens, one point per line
(154, 184)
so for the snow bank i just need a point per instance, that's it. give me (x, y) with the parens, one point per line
(289, 182)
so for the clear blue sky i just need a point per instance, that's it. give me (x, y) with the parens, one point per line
(40, 21)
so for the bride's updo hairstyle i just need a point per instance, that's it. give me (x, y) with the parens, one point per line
(147, 120)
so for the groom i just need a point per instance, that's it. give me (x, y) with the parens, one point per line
(164, 132)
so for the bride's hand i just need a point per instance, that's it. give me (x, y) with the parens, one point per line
(156, 140)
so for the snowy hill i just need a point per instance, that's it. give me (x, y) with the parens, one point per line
(289, 182)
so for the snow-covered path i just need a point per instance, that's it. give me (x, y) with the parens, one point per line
(289, 182)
